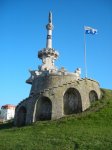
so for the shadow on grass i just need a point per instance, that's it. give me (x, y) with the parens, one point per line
(7, 125)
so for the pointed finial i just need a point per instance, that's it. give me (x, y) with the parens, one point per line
(50, 17)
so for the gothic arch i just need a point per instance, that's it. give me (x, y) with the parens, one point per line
(72, 101)
(93, 96)
(43, 109)
(21, 116)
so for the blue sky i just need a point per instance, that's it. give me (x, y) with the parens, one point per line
(23, 33)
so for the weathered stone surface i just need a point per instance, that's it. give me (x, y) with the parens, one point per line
(51, 96)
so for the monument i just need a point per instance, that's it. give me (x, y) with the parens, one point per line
(54, 92)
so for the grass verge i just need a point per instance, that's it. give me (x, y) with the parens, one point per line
(90, 130)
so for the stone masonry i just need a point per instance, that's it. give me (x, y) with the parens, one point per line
(55, 92)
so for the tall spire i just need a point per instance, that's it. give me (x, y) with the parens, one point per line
(49, 28)
(48, 54)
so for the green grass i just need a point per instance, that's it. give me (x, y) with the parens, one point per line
(90, 130)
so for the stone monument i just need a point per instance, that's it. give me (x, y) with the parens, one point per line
(54, 92)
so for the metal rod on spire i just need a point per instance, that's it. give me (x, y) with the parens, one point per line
(49, 31)
(50, 17)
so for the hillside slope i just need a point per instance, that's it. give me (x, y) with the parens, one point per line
(90, 130)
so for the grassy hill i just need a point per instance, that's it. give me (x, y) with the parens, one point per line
(90, 130)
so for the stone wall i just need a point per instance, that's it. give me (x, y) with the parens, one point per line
(56, 88)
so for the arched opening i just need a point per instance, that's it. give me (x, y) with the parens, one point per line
(93, 96)
(43, 109)
(21, 116)
(72, 101)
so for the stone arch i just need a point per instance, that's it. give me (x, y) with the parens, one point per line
(93, 96)
(72, 101)
(21, 116)
(43, 109)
